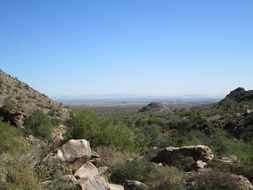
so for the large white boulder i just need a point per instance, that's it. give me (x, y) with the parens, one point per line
(74, 150)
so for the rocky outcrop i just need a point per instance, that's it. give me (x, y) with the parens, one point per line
(15, 117)
(155, 107)
(201, 154)
(240, 95)
(133, 185)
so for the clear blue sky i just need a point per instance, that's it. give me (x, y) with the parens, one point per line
(138, 47)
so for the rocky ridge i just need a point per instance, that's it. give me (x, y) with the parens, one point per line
(19, 100)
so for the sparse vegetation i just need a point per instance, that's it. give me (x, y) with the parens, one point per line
(39, 124)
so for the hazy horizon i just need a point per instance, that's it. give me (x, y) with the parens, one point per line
(137, 48)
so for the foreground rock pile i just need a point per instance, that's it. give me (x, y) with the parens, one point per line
(77, 158)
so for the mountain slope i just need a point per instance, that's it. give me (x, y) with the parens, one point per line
(18, 98)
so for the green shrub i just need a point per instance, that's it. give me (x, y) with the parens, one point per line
(156, 177)
(214, 181)
(16, 169)
(100, 130)
(149, 136)
(10, 139)
(131, 170)
(39, 124)
(9, 104)
(64, 185)
(19, 173)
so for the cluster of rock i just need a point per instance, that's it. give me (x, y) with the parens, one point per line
(80, 163)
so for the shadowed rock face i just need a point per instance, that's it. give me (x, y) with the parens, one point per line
(240, 95)
(200, 153)
(155, 107)
(15, 117)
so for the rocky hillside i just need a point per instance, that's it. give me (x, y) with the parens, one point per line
(19, 99)
(155, 107)
(241, 95)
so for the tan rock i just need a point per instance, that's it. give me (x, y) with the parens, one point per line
(87, 171)
(116, 187)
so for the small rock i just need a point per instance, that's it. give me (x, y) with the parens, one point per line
(132, 185)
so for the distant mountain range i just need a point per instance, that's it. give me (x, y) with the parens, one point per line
(131, 99)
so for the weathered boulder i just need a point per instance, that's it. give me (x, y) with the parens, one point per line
(87, 171)
(135, 185)
(89, 178)
(94, 183)
(71, 156)
(74, 150)
(201, 154)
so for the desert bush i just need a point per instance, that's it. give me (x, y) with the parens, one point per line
(9, 104)
(148, 136)
(16, 169)
(39, 124)
(10, 139)
(131, 170)
(100, 130)
(64, 185)
(214, 180)
(238, 167)
(156, 177)
(110, 156)
(19, 173)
